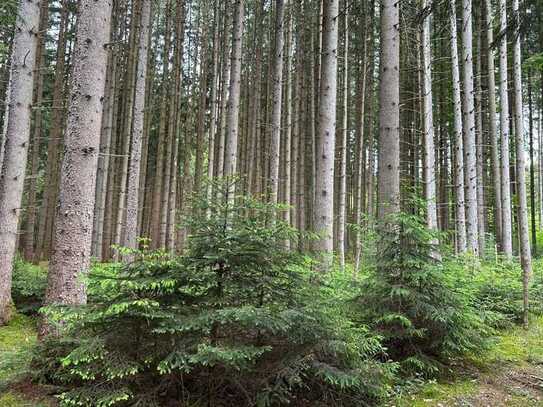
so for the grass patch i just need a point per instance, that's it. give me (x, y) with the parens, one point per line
(437, 394)
(16, 339)
(515, 349)
(518, 346)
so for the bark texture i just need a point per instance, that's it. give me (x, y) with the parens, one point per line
(389, 110)
(73, 222)
(17, 134)
(132, 195)
(326, 134)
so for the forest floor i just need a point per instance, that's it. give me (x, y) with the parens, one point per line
(510, 374)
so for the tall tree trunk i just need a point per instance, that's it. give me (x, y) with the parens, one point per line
(127, 120)
(132, 192)
(17, 135)
(461, 239)
(159, 185)
(479, 137)
(360, 149)
(104, 160)
(225, 77)
(524, 234)
(232, 111)
(469, 129)
(389, 110)
(31, 207)
(214, 101)
(496, 175)
(507, 238)
(343, 148)
(533, 191)
(47, 209)
(323, 208)
(275, 136)
(287, 140)
(73, 223)
(430, 195)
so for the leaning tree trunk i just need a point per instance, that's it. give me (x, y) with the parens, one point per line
(17, 136)
(132, 191)
(461, 244)
(469, 129)
(73, 222)
(524, 234)
(323, 209)
(507, 239)
(389, 110)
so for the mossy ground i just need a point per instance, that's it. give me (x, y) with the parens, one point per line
(510, 374)
(15, 338)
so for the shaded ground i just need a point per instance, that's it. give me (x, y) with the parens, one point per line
(509, 375)
(15, 338)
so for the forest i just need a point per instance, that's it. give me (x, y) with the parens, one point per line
(271, 203)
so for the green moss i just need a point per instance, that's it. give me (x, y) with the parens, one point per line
(15, 338)
(10, 399)
(438, 394)
(516, 347)
(519, 346)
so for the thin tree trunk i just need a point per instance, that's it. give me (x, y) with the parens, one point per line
(496, 175)
(461, 239)
(533, 191)
(31, 207)
(470, 149)
(507, 239)
(232, 111)
(479, 134)
(159, 184)
(275, 136)
(524, 234)
(132, 192)
(323, 208)
(430, 195)
(214, 102)
(343, 149)
(287, 141)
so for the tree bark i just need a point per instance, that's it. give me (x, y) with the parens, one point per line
(496, 175)
(31, 206)
(469, 129)
(275, 136)
(461, 239)
(389, 110)
(73, 223)
(430, 195)
(524, 234)
(323, 208)
(132, 192)
(507, 239)
(232, 111)
(17, 135)
(343, 149)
